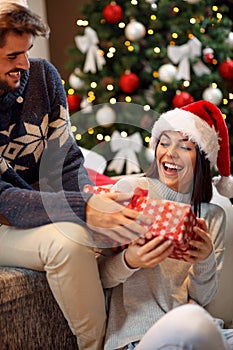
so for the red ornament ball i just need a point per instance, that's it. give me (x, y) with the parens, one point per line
(182, 99)
(208, 55)
(129, 82)
(113, 13)
(226, 69)
(209, 58)
(74, 102)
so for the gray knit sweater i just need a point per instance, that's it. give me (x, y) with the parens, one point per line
(140, 297)
(47, 175)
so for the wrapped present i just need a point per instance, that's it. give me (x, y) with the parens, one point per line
(96, 189)
(172, 220)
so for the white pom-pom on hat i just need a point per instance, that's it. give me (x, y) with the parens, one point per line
(224, 185)
(204, 124)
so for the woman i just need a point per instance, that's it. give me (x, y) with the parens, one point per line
(157, 302)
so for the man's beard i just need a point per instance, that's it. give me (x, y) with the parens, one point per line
(5, 88)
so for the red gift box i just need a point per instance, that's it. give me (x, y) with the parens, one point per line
(172, 220)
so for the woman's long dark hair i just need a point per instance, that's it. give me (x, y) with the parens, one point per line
(202, 182)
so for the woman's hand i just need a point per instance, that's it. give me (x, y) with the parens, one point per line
(202, 247)
(148, 255)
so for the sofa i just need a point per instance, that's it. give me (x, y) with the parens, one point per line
(31, 319)
(222, 305)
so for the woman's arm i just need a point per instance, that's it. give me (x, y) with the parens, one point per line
(114, 270)
(204, 276)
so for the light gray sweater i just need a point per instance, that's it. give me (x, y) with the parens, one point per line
(140, 297)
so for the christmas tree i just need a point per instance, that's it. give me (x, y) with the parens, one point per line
(134, 59)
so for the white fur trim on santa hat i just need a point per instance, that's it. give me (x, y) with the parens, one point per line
(190, 125)
(224, 185)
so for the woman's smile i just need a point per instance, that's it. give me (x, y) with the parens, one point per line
(171, 168)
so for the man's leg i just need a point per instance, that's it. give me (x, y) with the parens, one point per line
(64, 251)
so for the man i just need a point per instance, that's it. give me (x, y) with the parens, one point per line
(51, 223)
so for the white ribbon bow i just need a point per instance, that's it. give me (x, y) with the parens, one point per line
(126, 147)
(182, 54)
(88, 44)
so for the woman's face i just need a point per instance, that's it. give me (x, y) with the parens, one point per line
(176, 161)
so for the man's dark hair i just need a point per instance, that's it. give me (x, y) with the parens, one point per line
(19, 19)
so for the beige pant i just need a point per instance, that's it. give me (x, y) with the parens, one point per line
(64, 251)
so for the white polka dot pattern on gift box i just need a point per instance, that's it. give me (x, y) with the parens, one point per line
(172, 220)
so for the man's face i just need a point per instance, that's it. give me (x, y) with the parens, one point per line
(14, 60)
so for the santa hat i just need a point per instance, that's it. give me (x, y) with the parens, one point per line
(204, 124)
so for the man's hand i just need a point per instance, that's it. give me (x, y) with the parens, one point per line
(105, 215)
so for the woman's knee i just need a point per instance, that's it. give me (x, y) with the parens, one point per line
(184, 326)
(190, 320)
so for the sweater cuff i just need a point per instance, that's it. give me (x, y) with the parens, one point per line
(206, 265)
(114, 270)
(125, 264)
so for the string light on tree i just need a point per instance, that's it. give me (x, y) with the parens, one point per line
(108, 83)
